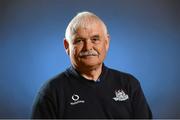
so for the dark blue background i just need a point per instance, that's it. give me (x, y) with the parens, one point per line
(145, 41)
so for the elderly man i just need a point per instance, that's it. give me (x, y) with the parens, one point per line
(89, 89)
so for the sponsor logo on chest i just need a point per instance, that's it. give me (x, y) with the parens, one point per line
(76, 100)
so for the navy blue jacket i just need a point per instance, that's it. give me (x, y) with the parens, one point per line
(69, 95)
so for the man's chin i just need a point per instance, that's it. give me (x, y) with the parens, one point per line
(90, 64)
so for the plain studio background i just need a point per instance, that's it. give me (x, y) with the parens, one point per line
(145, 41)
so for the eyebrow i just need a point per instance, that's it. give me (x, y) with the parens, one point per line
(96, 36)
(79, 37)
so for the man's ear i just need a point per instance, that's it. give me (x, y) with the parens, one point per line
(66, 45)
(107, 42)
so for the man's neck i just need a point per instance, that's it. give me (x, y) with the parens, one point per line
(91, 73)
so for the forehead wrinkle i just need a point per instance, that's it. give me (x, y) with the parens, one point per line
(90, 30)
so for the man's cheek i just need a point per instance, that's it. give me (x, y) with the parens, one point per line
(75, 52)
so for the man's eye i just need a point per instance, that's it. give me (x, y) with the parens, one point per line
(95, 39)
(78, 41)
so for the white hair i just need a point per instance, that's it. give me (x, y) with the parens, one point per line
(82, 19)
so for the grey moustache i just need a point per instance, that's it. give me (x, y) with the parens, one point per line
(88, 53)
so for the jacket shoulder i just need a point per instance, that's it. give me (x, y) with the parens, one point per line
(124, 77)
(54, 84)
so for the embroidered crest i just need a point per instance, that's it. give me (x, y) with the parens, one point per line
(120, 96)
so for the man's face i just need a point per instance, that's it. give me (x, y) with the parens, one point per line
(88, 47)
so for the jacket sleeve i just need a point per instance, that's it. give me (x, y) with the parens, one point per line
(43, 108)
(47, 103)
(139, 104)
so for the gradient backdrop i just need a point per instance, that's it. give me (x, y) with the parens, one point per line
(145, 41)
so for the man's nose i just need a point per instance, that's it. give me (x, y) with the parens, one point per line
(88, 45)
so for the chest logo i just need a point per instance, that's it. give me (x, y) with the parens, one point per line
(120, 96)
(76, 100)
